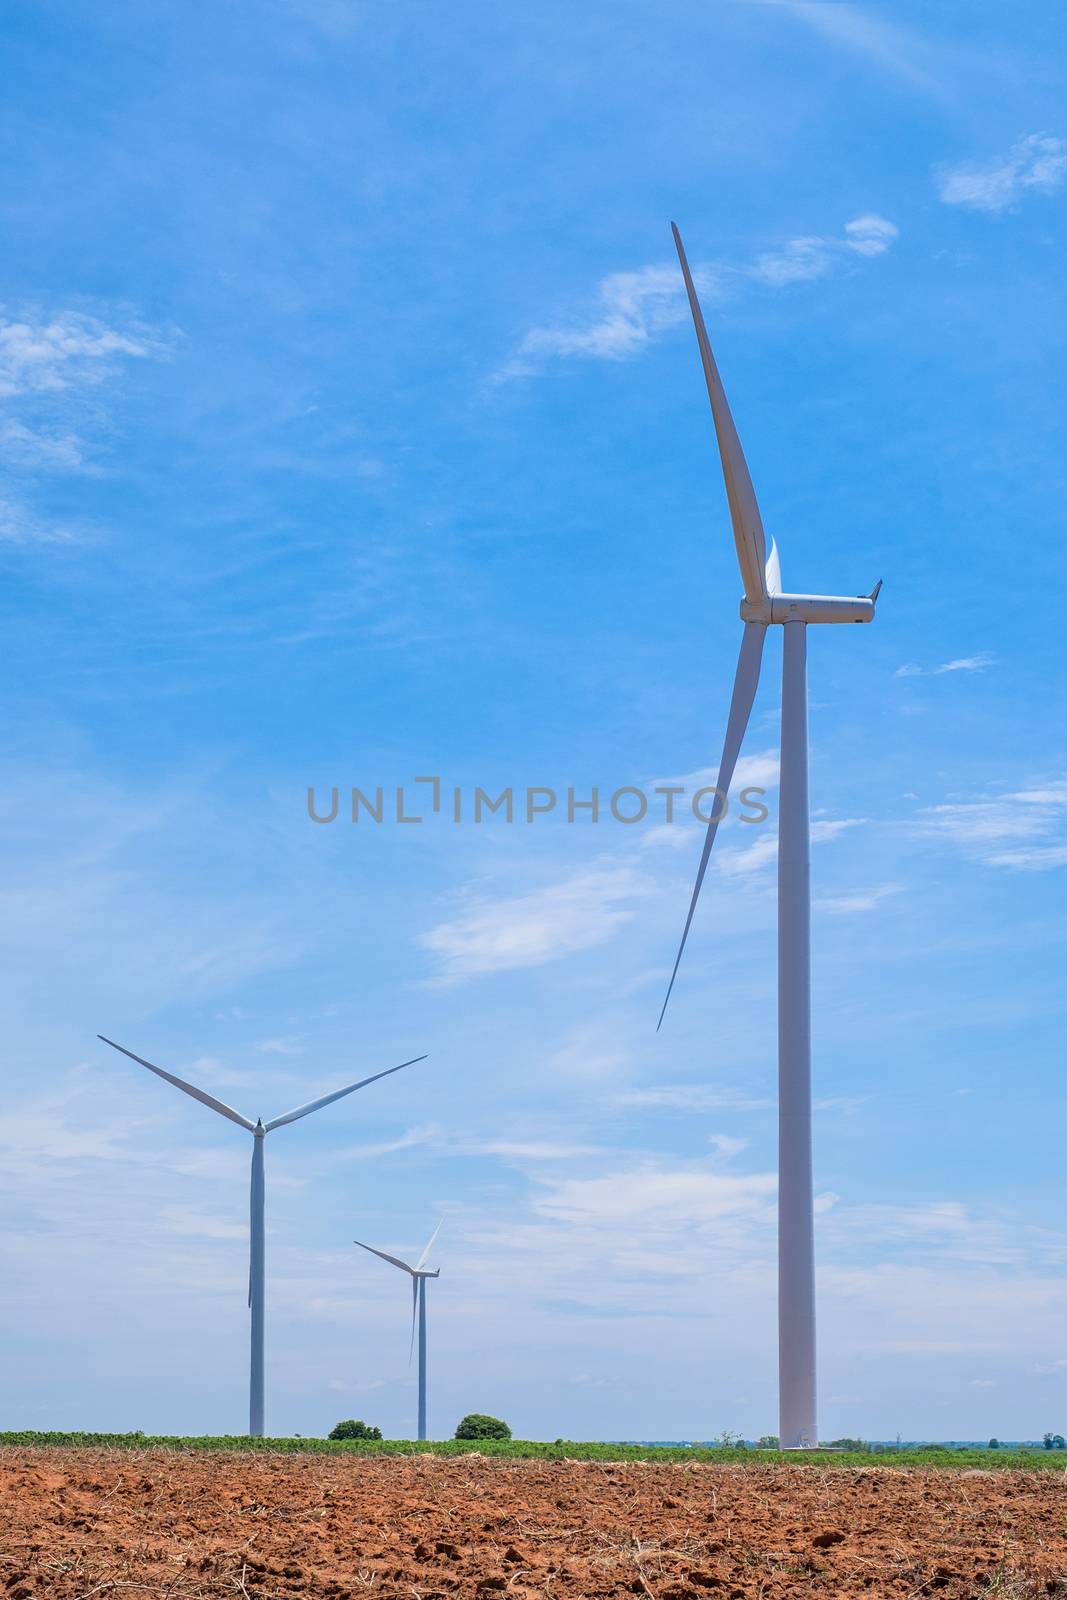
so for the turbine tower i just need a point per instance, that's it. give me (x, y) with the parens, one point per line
(418, 1308)
(765, 604)
(257, 1233)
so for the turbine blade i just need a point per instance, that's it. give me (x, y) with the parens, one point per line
(422, 1259)
(414, 1309)
(338, 1094)
(180, 1083)
(773, 571)
(393, 1260)
(745, 682)
(744, 512)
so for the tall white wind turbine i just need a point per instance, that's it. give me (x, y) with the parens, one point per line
(418, 1276)
(765, 604)
(257, 1233)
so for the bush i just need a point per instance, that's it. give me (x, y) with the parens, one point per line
(354, 1430)
(478, 1426)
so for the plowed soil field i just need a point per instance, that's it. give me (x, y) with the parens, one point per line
(81, 1523)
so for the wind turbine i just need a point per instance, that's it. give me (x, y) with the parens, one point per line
(418, 1307)
(765, 604)
(257, 1232)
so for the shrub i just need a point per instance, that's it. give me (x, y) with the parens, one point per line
(354, 1430)
(478, 1426)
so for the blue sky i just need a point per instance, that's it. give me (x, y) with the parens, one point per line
(353, 430)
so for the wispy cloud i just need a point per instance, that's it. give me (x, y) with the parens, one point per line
(962, 664)
(22, 446)
(536, 1150)
(691, 1097)
(814, 256)
(631, 309)
(1036, 164)
(742, 862)
(412, 1139)
(653, 1191)
(55, 352)
(759, 770)
(888, 46)
(515, 931)
(823, 829)
(42, 357)
(860, 900)
(1023, 830)
(20, 525)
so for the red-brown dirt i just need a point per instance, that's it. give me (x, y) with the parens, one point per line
(81, 1523)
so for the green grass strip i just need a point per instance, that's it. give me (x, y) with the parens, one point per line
(571, 1450)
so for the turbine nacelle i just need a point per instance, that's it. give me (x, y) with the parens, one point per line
(778, 608)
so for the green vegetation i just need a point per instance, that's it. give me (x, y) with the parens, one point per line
(476, 1425)
(354, 1430)
(563, 1449)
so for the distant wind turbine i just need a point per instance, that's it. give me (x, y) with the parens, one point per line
(257, 1251)
(418, 1307)
(765, 604)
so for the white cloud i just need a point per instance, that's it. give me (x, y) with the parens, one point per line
(591, 1050)
(19, 525)
(824, 829)
(536, 1150)
(743, 863)
(758, 771)
(67, 348)
(1020, 830)
(280, 1047)
(870, 235)
(860, 900)
(633, 308)
(961, 664)
(413, 1139)
(527, 930)
(41, 358)
(1032, 858)
(23, 446)
(657, 1193)
(691, 1097)
(801, 260)
(190, 1224)
(848, 1104)
(726, 1145)
(902, 54)
(1036, 163)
